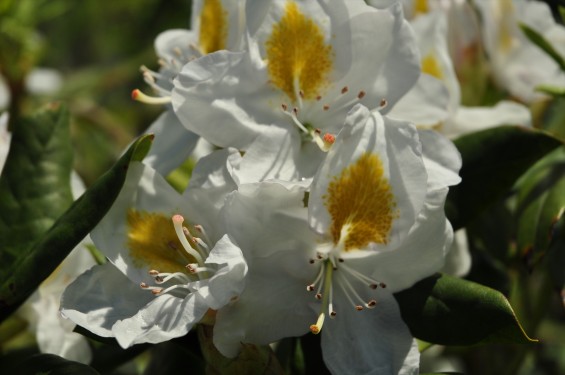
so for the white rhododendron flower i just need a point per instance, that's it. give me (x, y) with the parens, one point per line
(165, 271)
(518, 65)
(432, 37)
(307, 64)
(374, 225)
(216, 25)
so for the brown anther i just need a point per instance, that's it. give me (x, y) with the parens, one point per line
(383, 103)
(333, 314)
(319, 256)
(310, 288)
(319, 97)
(373, 286)
(361, 94)
(143, 285)
(156, 291)
(358, 307)
(158, 279)
(382, 285)
(311, 261)
(295, 111)
(372, 303)
(153, 272)
(301, 93)
(340, 260)
(284, 107)
(318, 296)
(326, 107)
(344, 89)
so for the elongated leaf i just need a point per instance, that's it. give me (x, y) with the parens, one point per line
(541, 203)
(493, 160)
(551, 90)
(542, 43)
(35, 182)
(445, 310)
(27, 272)
(49, 364)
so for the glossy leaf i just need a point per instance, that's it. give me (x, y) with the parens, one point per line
(542, 43)
(49, 364)
(35, 182)
(446, 310)
(45, 254)
(541, 204)
(493, 160)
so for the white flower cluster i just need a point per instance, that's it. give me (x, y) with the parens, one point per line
(325, 198)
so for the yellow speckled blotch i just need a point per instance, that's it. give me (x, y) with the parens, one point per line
(298, 55)
(360, 200)
(153, 243)
(213, 27)
(431, 66)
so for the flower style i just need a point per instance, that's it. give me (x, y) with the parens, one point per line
(165, 273)
(374, 225)
(306, 65)
(216, 25)
(518, 65)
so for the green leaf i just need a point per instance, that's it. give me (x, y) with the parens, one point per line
(35, 182)
(30, 269)
(542, 43)
(48, 364)
(493, 159)
(540, 204)
(446, 310)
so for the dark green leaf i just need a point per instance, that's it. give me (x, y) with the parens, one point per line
(35, 182)
(541, 202)
(172, 358)
(445, 310)
(542, 43)
(493, 159)
(47, 252)
(49, 364)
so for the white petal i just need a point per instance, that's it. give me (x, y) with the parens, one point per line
(441, 158)
(374, 341)
(172, 145)
(471, 119)
(273, 305)
(267, 218)
(425, 104)
(228, 282)
(458, 260)
(162, 319)
(144, 190)
(421, 254)
(100, 297)
(397, 146)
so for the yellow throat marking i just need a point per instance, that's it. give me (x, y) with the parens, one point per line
(297, 55)
(152, 241)
(213, 27)
(421, 7)
(361, 204)
(431, 66)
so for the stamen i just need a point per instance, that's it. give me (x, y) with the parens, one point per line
(293, 115)
(361, 95)
(177, 221)
(344, 90)
(350, 287)
(141, 97)
(373, 284)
